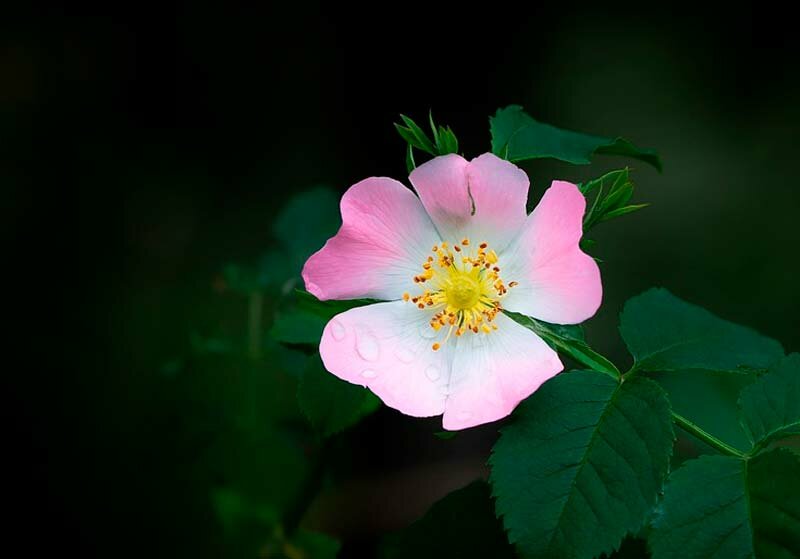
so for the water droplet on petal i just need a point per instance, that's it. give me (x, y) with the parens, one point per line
(369, 373)
(405, 355)
(432, 372)
(337, 330)
(367, 346)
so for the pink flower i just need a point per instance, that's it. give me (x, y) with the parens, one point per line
(447, 264)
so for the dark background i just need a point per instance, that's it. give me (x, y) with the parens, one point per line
(144, 149)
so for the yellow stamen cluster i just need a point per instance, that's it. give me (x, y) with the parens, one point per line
(465, 289)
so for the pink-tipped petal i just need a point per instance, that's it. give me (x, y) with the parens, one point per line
(558, 282)
(451, 188)
(492, 373)
(387, 348)
(384, 239)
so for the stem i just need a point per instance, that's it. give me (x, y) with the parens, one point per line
(255, 309)
(706, 437)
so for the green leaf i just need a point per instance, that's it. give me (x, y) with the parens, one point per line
(299, 326)
(664, 333)
(434, 130)
(622, 211)
(770, 407)
(422, 141)
(448, 143)
(410, 163)
(330, 403)
(615, 179)
(305, 223)
(568, 339)
(726, 507)
(327, 309)
(582, 464)
(461, 525)
(517, 136)
(408, 136)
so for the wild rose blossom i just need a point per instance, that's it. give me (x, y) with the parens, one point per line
(448, 264)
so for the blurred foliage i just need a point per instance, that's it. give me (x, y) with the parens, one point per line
(331, 404)
(460, 525)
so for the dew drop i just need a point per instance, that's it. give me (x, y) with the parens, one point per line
(369, 373)
(367, 346)
(405, 355)
(432, 372)
(337, 330)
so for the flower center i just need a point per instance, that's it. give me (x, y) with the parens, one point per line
(465, 289)
(462, 291)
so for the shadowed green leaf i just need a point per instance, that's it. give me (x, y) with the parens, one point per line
(330, 403)
(299, 326)
(770, 407)
(726, 507)
(327, 309)
(460, 526)
(517, 136)
(581, 465)
(664, 333)
(306, 222)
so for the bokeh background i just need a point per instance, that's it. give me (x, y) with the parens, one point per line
(146, 149)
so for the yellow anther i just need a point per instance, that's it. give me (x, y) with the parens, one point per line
(463, 293)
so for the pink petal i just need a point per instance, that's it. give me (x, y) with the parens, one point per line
(384, 240)
(558, 282)
(387, 347)
(492, 373)
(499, 191)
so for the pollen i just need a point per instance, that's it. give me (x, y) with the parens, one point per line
(464, 293)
